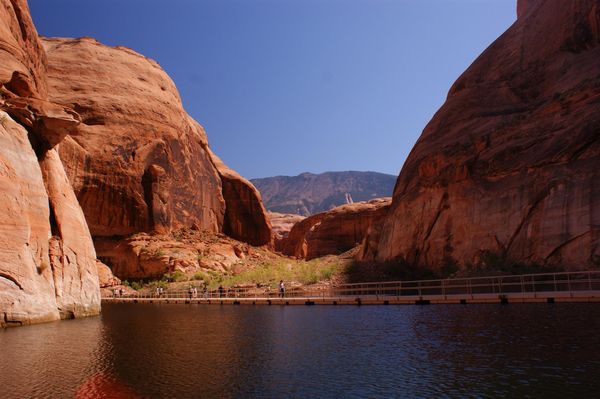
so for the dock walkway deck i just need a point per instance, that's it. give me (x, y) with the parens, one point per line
(529, 288)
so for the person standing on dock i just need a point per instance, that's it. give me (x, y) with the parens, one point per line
(221, 291)
(281, 289)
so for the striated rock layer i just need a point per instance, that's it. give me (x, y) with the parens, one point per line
(47, 259)
(335, 231)
(510, 165)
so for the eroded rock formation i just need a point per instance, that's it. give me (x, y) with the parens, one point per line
(145, 255)
(245, 215)
(139, 162)
(47, 259)
(335, 231)
(510, 165)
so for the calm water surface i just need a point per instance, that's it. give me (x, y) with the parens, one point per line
(197, 351)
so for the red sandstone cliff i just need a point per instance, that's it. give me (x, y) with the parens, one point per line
(139, 162)
(136, 160)
(511, 162)
(47, 259)
(335, 231)
(245, 215)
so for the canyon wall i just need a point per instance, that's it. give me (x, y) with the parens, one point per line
(94, 141)
(510, 165)
(139, 162)
(47, 259)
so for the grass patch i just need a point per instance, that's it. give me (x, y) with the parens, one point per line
(270, 272)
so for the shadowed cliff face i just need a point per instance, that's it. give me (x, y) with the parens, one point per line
(510, 163)
(47, 260)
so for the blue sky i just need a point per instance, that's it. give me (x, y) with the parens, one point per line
(289, 86)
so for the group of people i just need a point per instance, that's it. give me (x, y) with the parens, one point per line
(117, 292)
(193, 291)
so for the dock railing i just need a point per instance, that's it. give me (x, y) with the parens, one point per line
(527, 284)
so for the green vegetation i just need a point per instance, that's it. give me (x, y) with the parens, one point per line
(270, 272)
(158, 283)
(175, 277)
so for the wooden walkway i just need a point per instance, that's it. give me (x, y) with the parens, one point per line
(531, 288)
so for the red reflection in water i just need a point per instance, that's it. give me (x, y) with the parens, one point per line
(104, 386)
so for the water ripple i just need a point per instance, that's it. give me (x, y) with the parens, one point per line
(168, 351)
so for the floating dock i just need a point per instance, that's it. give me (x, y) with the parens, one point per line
(530, 288)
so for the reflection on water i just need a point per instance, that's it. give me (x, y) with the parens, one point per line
(185, 351)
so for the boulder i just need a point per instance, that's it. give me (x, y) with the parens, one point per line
(105, 276)
(508, 168)
(335, 231)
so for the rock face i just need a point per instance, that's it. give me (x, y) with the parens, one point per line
(308, 193)
(139, 162)
(335, 231)
(510, 165)
(47, 260)
(105, 276)
(245, 215)
(151, 256)
(282, 224)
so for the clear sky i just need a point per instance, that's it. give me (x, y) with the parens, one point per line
(289, 86)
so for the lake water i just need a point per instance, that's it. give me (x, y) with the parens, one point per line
(200, 351)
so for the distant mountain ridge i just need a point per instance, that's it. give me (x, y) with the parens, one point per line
(309, 193)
